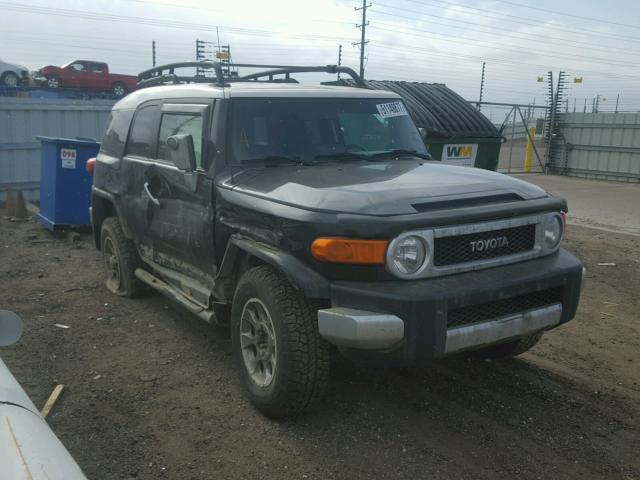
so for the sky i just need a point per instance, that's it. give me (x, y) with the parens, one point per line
(437, 41)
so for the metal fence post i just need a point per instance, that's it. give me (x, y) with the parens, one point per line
(513, 134)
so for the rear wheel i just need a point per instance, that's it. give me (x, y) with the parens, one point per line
(510, 349)
(118, 89)
(283, 360)
(10, 79)
(120, 260)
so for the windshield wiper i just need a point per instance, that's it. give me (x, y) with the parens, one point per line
(273, 160)
(401, 151)
(338, 155)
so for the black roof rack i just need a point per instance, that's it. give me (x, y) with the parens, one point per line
(166, 73)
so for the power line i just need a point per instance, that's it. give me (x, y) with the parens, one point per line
(482, 43)
(519, 19)
(556, 12)
(559, 41)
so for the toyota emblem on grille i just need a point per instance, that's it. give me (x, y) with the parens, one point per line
(489, 244)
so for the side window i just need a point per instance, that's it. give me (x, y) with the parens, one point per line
(140, 141)
(180, 123)
(77, 66)
(96, 67)
(116, 134)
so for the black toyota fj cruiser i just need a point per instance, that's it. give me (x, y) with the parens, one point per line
(312, 216)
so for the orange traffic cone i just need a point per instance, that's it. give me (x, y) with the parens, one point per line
(10, 202)
(20, 208)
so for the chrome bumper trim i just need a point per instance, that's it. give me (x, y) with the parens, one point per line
(504, 328)
(348, 327)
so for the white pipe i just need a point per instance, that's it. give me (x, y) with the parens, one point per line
(29, 450)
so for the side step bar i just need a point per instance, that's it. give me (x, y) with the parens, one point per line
(175, 295)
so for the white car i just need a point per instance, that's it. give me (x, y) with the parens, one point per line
(12, 75)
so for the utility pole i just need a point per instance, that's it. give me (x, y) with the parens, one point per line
(339, 58)
(597, 102)
(153, 52)
(362, 28)
(617, 102)
(479, 105)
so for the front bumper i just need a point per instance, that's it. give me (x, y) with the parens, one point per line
(39, 79)
(421, 309)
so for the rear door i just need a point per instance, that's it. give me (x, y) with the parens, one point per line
(139, 158)
(180, 215)
(96, 77)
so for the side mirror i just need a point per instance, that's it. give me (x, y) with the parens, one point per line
(423, 132)
(181, 152)
(10, 328)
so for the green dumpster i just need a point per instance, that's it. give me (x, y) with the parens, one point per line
(456, 132)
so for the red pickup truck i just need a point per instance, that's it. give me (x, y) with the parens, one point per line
(86, 74)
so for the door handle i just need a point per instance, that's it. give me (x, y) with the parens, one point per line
(155, 201)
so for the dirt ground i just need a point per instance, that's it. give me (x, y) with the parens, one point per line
(151, 392)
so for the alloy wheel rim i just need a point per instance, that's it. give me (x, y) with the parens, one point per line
(52, 82)
(119, 91)
(111, 264)
(258, 342)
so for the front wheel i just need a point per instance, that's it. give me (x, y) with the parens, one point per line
(274, 331)
(10, 79)
(53, 81)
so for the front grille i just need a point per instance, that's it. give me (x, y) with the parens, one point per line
(500, 308)
(483, 245)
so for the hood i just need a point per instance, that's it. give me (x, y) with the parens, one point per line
(14, 66)
(382, 188)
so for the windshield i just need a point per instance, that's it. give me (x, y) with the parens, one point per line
(308, 129)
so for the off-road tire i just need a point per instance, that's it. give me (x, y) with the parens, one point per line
(302, 356)
(120, 249)
(510, 349)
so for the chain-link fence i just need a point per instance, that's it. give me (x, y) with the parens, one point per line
(522, 129)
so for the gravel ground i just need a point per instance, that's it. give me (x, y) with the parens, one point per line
(151, 392)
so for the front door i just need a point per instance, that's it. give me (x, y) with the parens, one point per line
(180, 213)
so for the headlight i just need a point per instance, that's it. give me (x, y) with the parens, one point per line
(553, 230)
(407, 255)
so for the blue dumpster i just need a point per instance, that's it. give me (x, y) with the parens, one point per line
(65, 185)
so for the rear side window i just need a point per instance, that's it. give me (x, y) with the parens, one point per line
(180, 123)
(116, 134)
(140, 142)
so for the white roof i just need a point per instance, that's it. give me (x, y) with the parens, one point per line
(250, 90)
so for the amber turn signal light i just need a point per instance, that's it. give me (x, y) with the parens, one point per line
(348, 250)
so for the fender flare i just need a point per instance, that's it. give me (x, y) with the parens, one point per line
(97, 217)
(301, 276)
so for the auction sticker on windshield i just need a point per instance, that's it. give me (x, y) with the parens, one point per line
(392, 109)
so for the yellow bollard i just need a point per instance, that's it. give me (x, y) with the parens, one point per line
(529, 157)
